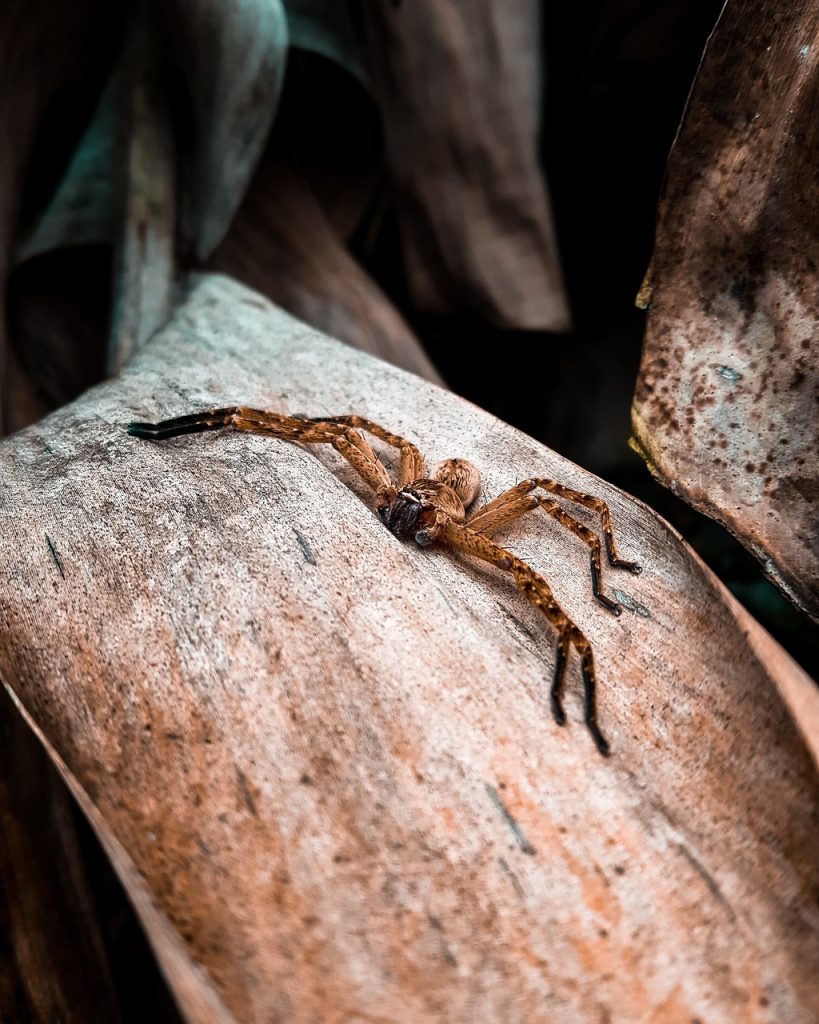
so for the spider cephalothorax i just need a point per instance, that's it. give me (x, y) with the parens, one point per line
(434, 508)
(423, 506)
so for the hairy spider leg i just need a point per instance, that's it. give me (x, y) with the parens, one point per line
(352, 445)
(209, 419)
(411, 466)
(339, 431)
(508, 509)
(538, 592)
(596, 505)
(512, 505)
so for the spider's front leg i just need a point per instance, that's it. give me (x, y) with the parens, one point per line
(518, 500)
(538, 591)
(342, 432)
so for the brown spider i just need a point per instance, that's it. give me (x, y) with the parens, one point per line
(433, 509)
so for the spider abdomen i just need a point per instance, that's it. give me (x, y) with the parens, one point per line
(462, 476)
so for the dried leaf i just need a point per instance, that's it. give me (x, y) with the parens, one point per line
(726, 410)
(54, 965)
(84, 209)
(326, 29)
(322, 759)
(282, 244)
(233, 58)
(459, 91)
(38, 48)
(145, 273)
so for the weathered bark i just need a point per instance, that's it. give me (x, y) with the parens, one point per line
(459, 90)
(726, 410)
(322, 760)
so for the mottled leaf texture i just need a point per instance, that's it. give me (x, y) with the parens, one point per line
(233, 58)
(726, 410)
(322, 760)
(459, 88)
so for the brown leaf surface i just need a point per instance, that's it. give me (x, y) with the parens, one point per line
(53, 964)
(459, 90)
(322, 760)
(145, 273)
(283, 244)
(726, 410)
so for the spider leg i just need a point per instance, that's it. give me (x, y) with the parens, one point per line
(365, 462)
(237, 417)
(319, 430)
(538, 592)
(512, 505)
(596, 505)
(209, 419)
(411, 466)
(505, 500)
(501, 511)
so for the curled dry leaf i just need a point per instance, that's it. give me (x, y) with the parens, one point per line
(726, 410)
(282, 244)
(84, 209)
(39, 50)
(322, 760)
(459, 90)
(145, 274)
(328, 30)
(233, 58)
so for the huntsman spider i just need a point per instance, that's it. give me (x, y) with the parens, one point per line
(434, 509)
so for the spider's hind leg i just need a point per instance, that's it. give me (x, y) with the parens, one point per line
(539, 593)
(342, 432)
(567, 637)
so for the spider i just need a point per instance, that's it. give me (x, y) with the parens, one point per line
(433, 508)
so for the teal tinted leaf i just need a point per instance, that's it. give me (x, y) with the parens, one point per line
(233, 58)
(84, 208)
(325, 27)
